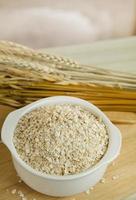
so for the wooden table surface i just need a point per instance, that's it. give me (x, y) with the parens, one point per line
(124, 167)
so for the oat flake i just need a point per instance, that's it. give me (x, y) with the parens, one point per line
(60, 139)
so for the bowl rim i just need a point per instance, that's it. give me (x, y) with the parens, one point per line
(22, 111)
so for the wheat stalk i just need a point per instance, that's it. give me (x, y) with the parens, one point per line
(27, 75)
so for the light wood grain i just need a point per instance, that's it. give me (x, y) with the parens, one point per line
(119, 54)
(109, 54)
(125, 167)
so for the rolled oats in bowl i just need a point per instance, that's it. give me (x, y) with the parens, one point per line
(61, 139)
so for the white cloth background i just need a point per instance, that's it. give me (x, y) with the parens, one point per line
(63, 23)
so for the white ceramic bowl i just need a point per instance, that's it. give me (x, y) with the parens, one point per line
(60, 185)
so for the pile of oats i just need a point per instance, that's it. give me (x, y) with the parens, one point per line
(61, 139)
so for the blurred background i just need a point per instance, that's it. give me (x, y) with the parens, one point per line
(51, 23)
